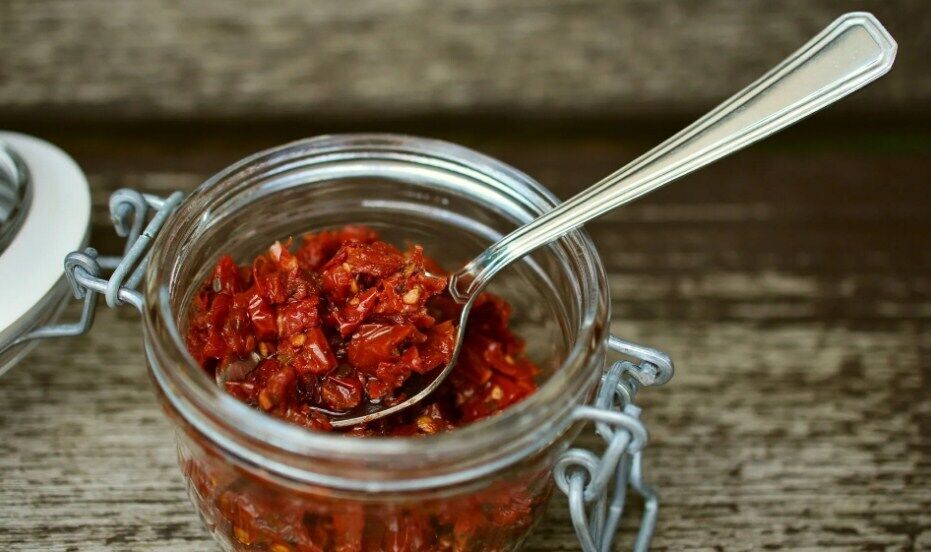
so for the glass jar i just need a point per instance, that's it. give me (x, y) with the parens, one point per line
(260, 483)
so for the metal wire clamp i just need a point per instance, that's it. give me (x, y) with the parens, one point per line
(597, 486)
(129, 211)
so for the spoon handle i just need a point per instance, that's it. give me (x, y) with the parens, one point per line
(851, 52)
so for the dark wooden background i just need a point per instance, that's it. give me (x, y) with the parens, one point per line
(791, 283)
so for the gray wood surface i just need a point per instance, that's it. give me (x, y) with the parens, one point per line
(792, 284)
(103, 60)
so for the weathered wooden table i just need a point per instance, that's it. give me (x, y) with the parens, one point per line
(792, 284)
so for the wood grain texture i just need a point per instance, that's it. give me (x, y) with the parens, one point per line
(792, 284)
(225, 59)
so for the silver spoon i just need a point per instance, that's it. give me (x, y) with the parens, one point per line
(851, 52)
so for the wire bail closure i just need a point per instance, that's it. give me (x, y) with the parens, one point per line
(129, 210)
(597, 486)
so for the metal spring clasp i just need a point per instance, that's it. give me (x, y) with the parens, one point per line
(129, 211)
(597, 486)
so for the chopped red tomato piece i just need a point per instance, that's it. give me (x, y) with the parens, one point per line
(297, 316)
(314, 355)
(349, 316)
(377, 259)
(261, 315)
(342, 391)
(339, 324)
(376, 343)
(226, 276)
(269, 281)
(343, 319)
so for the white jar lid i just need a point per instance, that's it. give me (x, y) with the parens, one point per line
(55, 222)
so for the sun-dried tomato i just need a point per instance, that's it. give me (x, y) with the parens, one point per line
(269, 282)
(339, 321)
(342, 391)
(313, 354)
(297, 316)
(348, 317)
(342, 319)
(373, 344)
(261, 315)
(226, 277)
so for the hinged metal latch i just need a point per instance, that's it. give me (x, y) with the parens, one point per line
(129, 211)
(597, 486)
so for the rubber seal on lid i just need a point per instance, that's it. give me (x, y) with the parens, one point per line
(42, 229)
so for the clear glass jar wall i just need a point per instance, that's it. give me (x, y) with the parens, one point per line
(261, 484)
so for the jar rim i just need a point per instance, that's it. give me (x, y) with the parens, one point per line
(273, 444)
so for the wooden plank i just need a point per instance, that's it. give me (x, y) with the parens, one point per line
(102, 60)
(791, 284)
